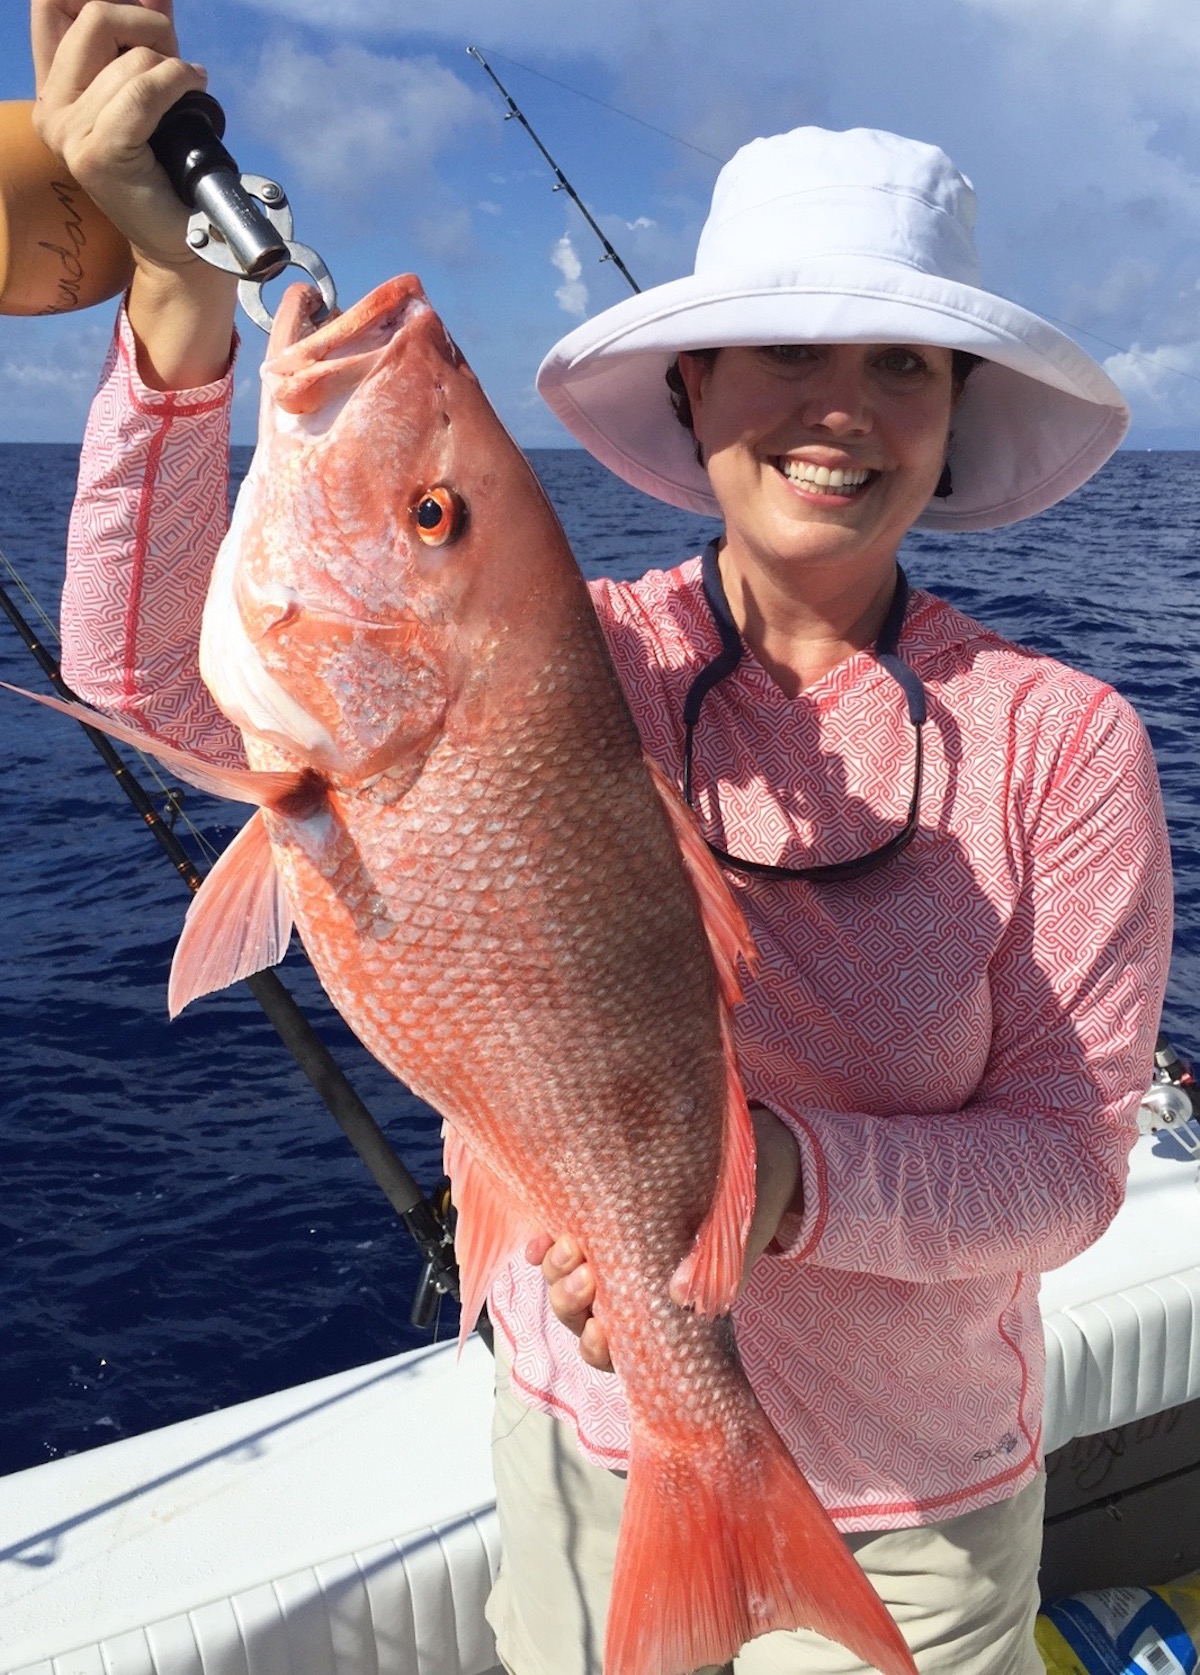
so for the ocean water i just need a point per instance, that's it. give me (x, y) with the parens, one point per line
(182, 1225)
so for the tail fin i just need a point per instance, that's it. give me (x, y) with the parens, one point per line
(713, 1553)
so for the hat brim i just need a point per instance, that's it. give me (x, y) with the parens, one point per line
(1032, 425)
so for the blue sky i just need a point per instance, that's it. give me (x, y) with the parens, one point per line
(1077, 121)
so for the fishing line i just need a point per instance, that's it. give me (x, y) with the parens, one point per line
(562, 184)
(604, 105)
(30, 598)
(1136, 354)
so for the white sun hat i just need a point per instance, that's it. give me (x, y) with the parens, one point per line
(856, 237)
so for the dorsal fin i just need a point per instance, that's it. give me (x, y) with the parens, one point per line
(708, 1277)
(724, 922)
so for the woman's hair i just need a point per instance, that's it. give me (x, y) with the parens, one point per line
(680, 400)
(961, 365)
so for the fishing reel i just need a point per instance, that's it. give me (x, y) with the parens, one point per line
(435, 1236)
(1172, 1099)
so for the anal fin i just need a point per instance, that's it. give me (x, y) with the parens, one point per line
(492, 1225)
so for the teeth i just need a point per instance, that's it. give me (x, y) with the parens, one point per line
(820, 476)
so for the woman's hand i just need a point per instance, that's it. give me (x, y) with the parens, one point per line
(572, 1293)
(572, 1288)
(106, 74)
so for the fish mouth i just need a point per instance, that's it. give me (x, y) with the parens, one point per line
(372, 322)
(311, 367)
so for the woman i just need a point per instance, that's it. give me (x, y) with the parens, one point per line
(951, 852)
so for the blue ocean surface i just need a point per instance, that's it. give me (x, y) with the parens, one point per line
(182, 1226)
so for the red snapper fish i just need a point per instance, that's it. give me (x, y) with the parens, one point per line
(514, 912)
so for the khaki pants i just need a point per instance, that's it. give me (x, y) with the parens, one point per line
(964, 1592)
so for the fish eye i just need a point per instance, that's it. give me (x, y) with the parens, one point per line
(439, 515)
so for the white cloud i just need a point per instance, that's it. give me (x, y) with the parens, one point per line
(1161, 385)
(365, 130)
(519, 25)
(24, 376)
(1151, 33)
(573, 295)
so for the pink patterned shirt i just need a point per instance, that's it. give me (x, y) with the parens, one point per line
(959, 1040)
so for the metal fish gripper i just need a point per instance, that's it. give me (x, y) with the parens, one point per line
(241, 223)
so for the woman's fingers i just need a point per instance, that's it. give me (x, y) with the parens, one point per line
(572, 1292)
(572, 1288)
(593, 1346)
(777, 1181)
(117, 114)
(107, 73)
(107, 48)
(49, 21)
(104, 141)
(536, 1249)
(90, 23)
(569, 1280)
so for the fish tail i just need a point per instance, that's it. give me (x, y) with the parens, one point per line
(715, 1551)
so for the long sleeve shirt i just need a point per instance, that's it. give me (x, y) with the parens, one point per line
(958, 1040)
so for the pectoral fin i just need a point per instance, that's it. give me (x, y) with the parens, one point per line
(241, 785)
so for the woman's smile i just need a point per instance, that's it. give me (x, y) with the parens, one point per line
(828, 484)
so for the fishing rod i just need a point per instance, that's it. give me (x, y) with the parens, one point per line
(562, 184)
(610, 255)
(430, 1231)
